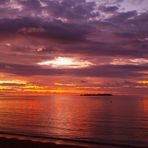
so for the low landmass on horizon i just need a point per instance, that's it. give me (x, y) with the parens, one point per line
(97, 94)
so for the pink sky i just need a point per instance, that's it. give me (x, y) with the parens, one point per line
(74, 46)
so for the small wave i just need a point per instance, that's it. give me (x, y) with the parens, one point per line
(65, 140)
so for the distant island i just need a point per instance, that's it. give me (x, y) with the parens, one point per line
(97, 94)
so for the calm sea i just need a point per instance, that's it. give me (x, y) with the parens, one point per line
(112, 121)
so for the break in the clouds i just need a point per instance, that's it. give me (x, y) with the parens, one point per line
(93, 41)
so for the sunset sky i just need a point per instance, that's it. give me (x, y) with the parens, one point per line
(73, 47)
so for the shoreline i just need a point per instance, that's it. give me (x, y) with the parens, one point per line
(6, 142)
(22, 143)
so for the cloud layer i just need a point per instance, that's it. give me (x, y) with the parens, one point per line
(111, 34)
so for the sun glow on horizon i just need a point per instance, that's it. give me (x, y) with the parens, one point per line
(65, 62)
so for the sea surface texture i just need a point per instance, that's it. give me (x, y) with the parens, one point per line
(119, 121)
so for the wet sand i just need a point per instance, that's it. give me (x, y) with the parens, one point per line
(15, 143)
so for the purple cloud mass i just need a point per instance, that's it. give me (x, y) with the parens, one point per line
(98, 31)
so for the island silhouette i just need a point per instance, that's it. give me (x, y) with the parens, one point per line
(98, 94)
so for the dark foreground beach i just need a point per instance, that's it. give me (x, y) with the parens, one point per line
(15, 143)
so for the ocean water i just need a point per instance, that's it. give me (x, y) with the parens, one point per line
(112, 121)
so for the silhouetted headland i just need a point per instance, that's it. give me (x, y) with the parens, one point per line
(98, 94)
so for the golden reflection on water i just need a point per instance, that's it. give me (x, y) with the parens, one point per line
(97, 118)
(69, 116)
(146, 113)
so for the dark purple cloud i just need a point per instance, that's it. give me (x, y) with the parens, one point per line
(95, 71)
(108, 9)
(55, 30)
(123, 17)
(72, 10)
